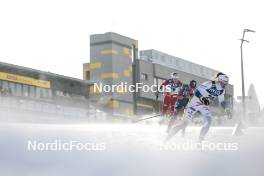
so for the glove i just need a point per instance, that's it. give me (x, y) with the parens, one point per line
(228, 113)
(204, 100)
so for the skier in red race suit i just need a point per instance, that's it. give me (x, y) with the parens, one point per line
(171, 87)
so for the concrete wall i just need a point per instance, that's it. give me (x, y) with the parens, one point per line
(156, 70)
(111, 64)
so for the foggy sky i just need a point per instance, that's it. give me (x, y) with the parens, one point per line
(54, 35)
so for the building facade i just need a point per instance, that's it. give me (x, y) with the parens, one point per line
(31, 91)
(112, 59)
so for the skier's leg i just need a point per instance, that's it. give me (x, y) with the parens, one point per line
(172, 121)
(184, 129)
(188, 114)
(173, 101)
(207, 118)
(183, 106)
(175, 129)
(177, 108)
(183, 124)
(165, 104)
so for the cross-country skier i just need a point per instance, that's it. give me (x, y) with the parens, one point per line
(172, 88)
(204, 94)
(184, 97)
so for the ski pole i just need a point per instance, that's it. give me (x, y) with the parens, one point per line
(135, 121)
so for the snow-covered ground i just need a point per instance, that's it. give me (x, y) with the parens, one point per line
(127, 150)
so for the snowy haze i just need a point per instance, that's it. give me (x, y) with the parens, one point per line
(54, 35)
(129, 150)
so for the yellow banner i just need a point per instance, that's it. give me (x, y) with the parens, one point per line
(24, 80)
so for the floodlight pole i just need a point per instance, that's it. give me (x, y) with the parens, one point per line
(242, 71)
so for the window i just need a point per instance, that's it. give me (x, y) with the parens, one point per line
(170, 60)
(173, 62)
(43, 93)
(163, 59)
(196, 70)
(176, 62)
(144, 76)
(18, 90)
(87, 75)
(37, 92)
(11, 88)
(183, 66)
(49, 93)
(201, 71)
(5, 85)
(32, 91)
(190, 69)
(25, 90)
